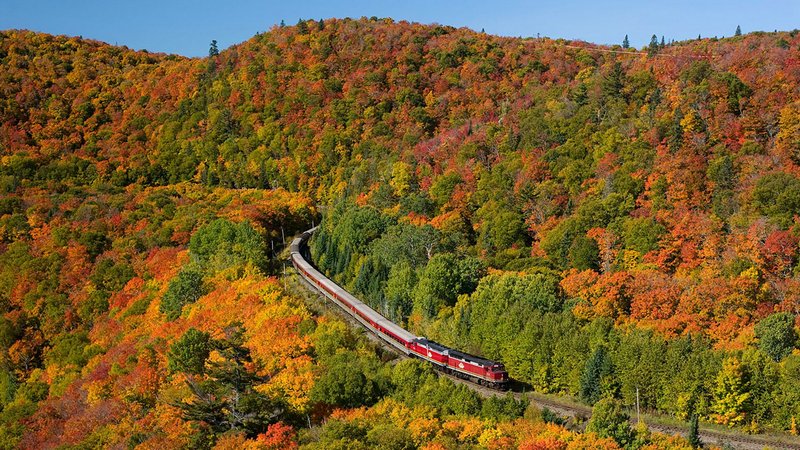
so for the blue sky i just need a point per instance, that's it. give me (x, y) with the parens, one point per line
(186, 27)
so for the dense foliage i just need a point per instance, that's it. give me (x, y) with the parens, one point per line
(531, 320)
(106, 313)
(601, 221)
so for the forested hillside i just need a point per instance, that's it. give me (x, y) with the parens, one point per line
(601, 219)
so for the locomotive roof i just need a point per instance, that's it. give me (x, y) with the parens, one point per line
(433, 345)
(471, 358)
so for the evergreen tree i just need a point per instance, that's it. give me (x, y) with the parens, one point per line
(625, 42)
(213, 51)
(189, 353)
(662, 42)
(738, 31)
(613, 83)
(652, 49)
(226, 399)
(185, 288)
(283, 23)
(320, 25)
(694, 432)
(597, 367)
(302, 26)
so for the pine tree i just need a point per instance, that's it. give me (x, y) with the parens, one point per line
(694, 432)
(597, 367)
(189, 353)
(626, 43)
(652, 49)
(613, 83)
(662, 42)
(302, 26)
(738, 31)
(283, 24)
(213, 50)
(226, 399)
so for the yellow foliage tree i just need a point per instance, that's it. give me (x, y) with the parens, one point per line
(731, 394)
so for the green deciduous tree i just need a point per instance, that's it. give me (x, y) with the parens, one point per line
(110, 276)
(722, 172)
(777, 195)
(642, 234)
(776, 335)
(584, 253)
(344, 384)
(558, 241)
(609, 420)
(500, 227)
(788, 392)
(504, 408)
(390, 436)
(222, 244)
(445, 278)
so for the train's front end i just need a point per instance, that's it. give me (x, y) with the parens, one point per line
(498, 374)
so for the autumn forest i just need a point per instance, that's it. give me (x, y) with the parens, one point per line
(618, 226)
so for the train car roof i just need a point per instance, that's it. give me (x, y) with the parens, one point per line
(374, 315)
(356, 303)
(471, 358)
(433, 345)
(294, 247)
(397, 330)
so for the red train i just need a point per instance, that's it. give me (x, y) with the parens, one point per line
(479, 370)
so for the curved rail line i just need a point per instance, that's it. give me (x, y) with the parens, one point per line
(478, 370)
(387, 332)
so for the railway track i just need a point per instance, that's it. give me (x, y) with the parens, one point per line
(577, 413)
